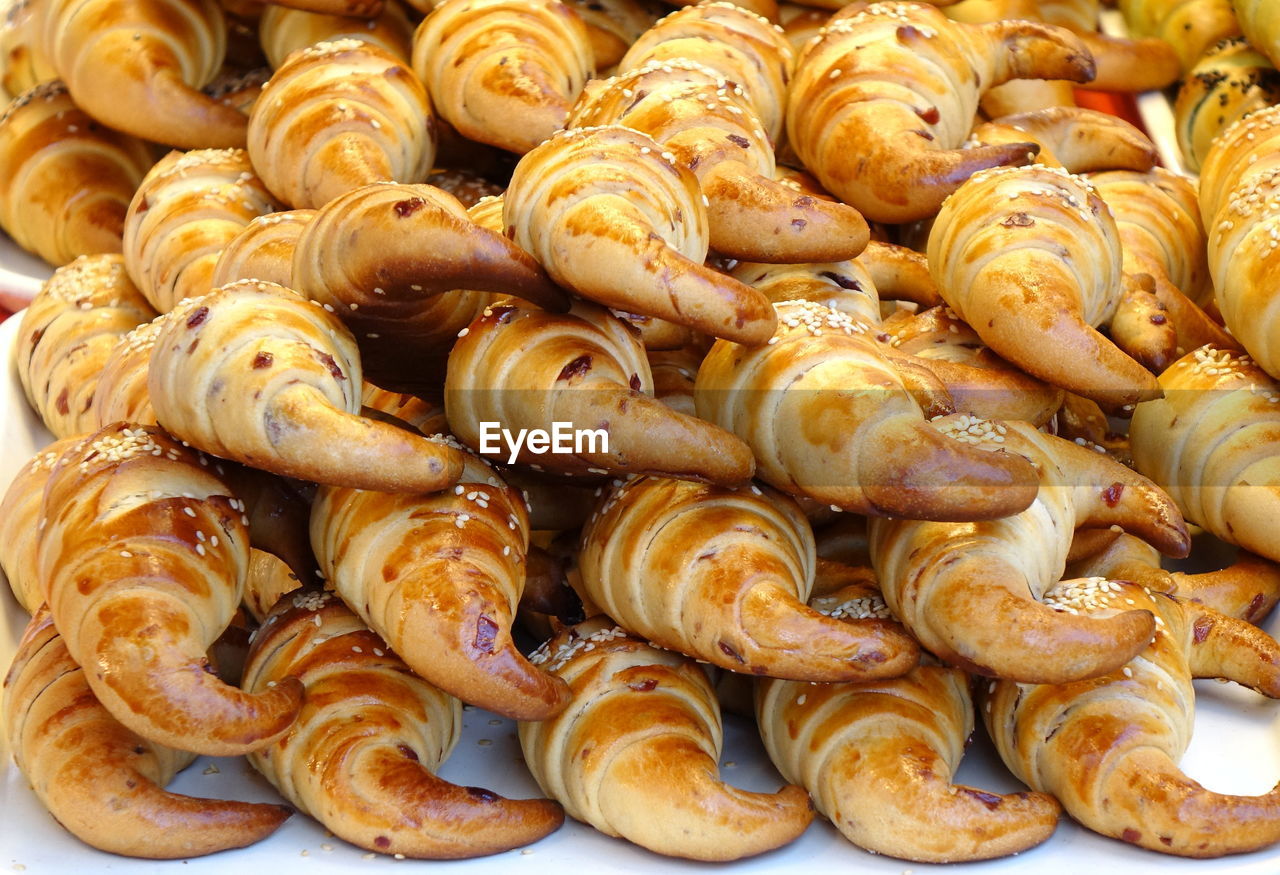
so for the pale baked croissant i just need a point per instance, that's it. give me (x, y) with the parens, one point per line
(336, 116)
(829, 417)
(635, 754)
(282, 31)
(439, 576)
(362, 757)
(187, 209)
(256, 373)
(1232, 80)
(878, 757)
(1075, 139)
(1190, 26)
(735, 569)
(20, 523)
(517, 367)
(503, 72)
(612, 216)
(1261, 26)
(902, 82)
(142, 557)
(68, 332)
(137, 66)
(1031, 258)
(101, 781)
(263, 250)
(1108, 748)
(971, 594)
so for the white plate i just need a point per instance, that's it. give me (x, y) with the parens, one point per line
(21, 274)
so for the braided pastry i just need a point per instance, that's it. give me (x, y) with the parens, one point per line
(143, 559)
(1261, 26)
(503, 72)
(1229, 82)
(1190, 26)
(23, 64)
(829, 417)
(263, 250)
(903, 82)
(736, 568)
(363, 755)
(187, 209)
(1075, 139)
(1108, 748)
(613, 217)
(528, 369)
(253, 372)
(282, 31)
(972, 594)
(101, 781)
(20, 520)
(137, 66)
(439, 576)
(635, 754)
(67, 333)
(878, 757)
(1031, 258)
(337, 116)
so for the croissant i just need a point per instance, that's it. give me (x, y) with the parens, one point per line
(1108, 748)
(143, 557)
(843, 286)
(438, 577)
(1192, 27)
(903, 82)
(613, 25)
(367, 9)
(1031, 258)
(121, 394)
(67, 333)
(253, 372)
(613, 217)
(1075, 139)
(503, 72)
(282, 31)
(371, 780)
(1232, 80)
(187, 209)
(23, 63)
(262, 250)
(736, 568)
(101, 781)
(517, 368)
(137, 66)
(1261, 26)
(635, 754)
(674, 372)
(337, 116)
(829, 417)
(878, 757)
(469, 188)
(971, 594)
(20, 519)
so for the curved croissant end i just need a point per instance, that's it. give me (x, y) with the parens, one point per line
(1224, 647)
(1144, 64)
(99, 780)
(1023, 49)
(899, 274)
(1140, 327)
(1077, 139)
(280, 382)
(1247, 589)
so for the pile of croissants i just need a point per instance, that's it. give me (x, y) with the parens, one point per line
(900, 371)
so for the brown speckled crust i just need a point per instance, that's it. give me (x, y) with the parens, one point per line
(1030, 257)
(903, 82)
(256, 373)
(283, 30)
(635, 754)
(878, 758)
(371, 780)
(263, 250)
(336, 116)
(1076, 139)
(526, 368)
(1108, 748)
(1260, 22)
(830, 417)
(1229, 82)
(503, 72)
(439, 577)
(67, 334)
(101, 781)
(972, 593)
(737, 567)
(143, 557)
(137, 66)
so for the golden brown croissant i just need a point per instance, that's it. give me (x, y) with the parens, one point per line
(336, 116)
(122, 393)
(735, 569)
(903, 82)
(100, 780)
(256, 373)
(844, 286)
(20, 520)
(283, 31)
(830, 417)
(362, 757)
(1190, 26)
(366, 9)
(1232, 80)
(267, 579)
(143, 557)
(1075, 139)
(137, 66)
(878, 757)
(635, 754)
(1123, 63)
(1031, 258)
(517, 367)
(263, 250)
(23, 63)
(613, 25)
(68, 332)
(1108, 748)
(187, 209)
(439, 577)
(503, 72)
(972, 593)
(1261, 26)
